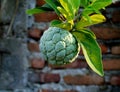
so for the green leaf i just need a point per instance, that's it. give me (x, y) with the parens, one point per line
(85, 3)
(89, 32)
(34, 11)
(53, 4)
(99, 4)
(75, 4)
(61, 10)
(68, 8)
(91, 51)
(95, 6)
(47, 6)
(41, 9)
(66, 15)
(55, 22)
(94, 19)
(64, 25)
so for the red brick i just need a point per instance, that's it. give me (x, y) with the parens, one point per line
(35, 33)
(37, 63)
(115, 50)
(33, 47)
(70, 91)
(50, 90)
(49, 77)
(116, 16)
(106, 32)
(76, 64)
(45, 17)
(40, 2)
(83, 80)
(111, 64)
(104, 48)
(40, 77)
(115, 80)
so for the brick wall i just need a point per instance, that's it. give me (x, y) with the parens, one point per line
(77, 76)
(24, 70)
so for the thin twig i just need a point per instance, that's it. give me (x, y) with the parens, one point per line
(13, 18)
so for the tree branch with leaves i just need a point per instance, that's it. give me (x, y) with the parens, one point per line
(76, 23)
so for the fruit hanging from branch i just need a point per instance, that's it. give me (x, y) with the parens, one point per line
(59, 46)
(61, 42)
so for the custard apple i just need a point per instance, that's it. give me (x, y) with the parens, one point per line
(58, 46)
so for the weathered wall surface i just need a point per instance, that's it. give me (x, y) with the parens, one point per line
(22, 68)
(14, 63)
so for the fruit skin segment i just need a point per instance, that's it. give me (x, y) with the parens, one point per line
(58, 46)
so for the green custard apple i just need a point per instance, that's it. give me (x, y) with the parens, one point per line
(58, 46)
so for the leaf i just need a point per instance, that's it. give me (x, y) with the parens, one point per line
(95, 6)
(34, 11)
(41, 9)
(89, 32)
(91, 51)
(84, 3)
(99, 4)
(68, 8)
(47, 6)
(75, 4)
(64, 25)
(65, 14)
(94, 19)
(55, 22)
(53, 4)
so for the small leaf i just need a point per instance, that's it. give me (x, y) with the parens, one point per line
(64, 25)
(91, 51)
(68, 8)
(94, 19)
(47, 6)
(95, 6)
(84, 3)
(41, 9)
(53, 4)
(34, 11)
(75, 4)
(65, 14)
(55, 22)
(99, 4)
